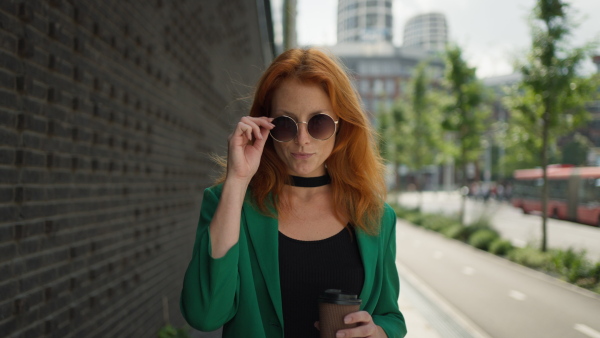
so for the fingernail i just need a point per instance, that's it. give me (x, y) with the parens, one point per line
(340, 334)
(347, 320)
(272, 125)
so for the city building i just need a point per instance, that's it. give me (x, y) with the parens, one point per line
(364, 20)
(427, 31)
(381, 71)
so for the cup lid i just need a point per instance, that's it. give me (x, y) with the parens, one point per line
(337, 296)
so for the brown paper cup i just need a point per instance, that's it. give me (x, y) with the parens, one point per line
(334, 305)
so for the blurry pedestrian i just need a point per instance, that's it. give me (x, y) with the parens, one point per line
(300, 209)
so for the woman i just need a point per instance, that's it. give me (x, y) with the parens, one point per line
(300, 210)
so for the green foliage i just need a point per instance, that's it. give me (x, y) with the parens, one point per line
(467, 110)
(413, 216)
(481, 239)
(570, 264)
(411, 134)
(530, 257)
(423, 121)
(438, 222)
(454, 231)
(500, 247)
(550, 99)
(168, 331)
(481, 223)
(575, 151)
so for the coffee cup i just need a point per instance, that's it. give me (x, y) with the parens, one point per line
(334, 305)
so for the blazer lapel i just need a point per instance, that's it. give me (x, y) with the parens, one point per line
(264, 234)
(368, 246)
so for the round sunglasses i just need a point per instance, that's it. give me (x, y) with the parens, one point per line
(320, 127)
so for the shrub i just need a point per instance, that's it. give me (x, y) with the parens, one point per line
(572, 265)
(169, 331)
(414, 218)
(479, 224)
(482, 222)
(454, 231)
(530, 257)
(500, 247)
(482, 239)
(438, 222)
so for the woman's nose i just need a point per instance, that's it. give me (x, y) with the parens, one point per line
(303, 136)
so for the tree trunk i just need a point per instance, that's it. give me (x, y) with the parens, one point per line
(463, 179)
(544, 178)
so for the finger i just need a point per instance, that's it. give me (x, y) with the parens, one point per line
(254, 124)
(242, 135)
(358, 317)
(243, 129)
(360, 331)
(258, 124)
(262, 121)
(317, 326)
(260, 142)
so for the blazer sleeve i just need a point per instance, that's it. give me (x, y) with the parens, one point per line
(210, 286)
(386, 313)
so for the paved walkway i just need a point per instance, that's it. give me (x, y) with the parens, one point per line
(424, 318)
(418, 325)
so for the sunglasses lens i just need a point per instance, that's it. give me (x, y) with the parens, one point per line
(285, 129)
(321, 127)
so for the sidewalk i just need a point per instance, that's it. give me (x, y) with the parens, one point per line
(424, 318)
(418, 325)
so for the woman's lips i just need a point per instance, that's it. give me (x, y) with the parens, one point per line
(301, 156)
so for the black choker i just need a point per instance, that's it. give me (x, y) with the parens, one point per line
(310, 182)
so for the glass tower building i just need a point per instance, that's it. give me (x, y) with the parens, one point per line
(364, 21)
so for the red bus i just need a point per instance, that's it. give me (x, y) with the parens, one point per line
(573, 192)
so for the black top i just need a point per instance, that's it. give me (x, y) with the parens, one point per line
(307, 268)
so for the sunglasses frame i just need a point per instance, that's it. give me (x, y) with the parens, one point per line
(335, 123)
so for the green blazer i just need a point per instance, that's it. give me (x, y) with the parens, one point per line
(240, 291)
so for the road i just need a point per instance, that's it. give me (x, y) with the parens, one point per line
(491, 296)
(512, 224)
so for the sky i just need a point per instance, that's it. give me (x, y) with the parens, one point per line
(492, 33)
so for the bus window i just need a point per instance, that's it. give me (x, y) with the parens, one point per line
(590, 192)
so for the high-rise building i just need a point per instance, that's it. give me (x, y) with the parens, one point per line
(426, 31)
(364, 20)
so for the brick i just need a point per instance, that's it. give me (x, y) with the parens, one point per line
(9, 213)
(28, 246)
(8, 289)
(6, 194)
(6, 233)
(9, 325)
(8, 99)
(7, 156)
(9, 137)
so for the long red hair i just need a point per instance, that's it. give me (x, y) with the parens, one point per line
(355, 166)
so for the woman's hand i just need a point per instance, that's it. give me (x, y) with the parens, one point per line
(246, 145)
(366, 327)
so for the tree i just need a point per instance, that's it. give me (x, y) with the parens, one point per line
(465, 113)
(424, 127)
(393, 142)
(576, 150)
(550, 98)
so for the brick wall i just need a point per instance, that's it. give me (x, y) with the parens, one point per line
(107, 111)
